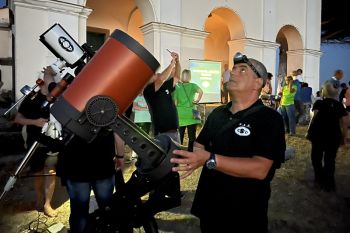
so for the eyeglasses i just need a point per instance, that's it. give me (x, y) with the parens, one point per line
(240, 58)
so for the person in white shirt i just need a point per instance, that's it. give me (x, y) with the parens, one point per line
(299, 75)
(224, 80)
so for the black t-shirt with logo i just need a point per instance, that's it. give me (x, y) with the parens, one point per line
(162, 107)
(260, 133)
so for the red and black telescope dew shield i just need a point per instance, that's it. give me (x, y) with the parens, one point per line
(105, 87)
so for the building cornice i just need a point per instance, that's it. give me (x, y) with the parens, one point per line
(55, 6)
(163, 27)
(312, 52)
(255, 43)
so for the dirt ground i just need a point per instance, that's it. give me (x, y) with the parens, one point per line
(295, 204)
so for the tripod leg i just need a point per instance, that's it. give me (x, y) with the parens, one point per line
(12, 180)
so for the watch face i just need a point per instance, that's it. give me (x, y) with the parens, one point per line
(211, 164)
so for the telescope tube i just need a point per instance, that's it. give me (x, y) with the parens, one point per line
(119, 71)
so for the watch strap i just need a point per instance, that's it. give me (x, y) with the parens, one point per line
(212, 156)
(211, 162)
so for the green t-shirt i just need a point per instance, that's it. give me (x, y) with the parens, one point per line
(287, 96)
(184, 96)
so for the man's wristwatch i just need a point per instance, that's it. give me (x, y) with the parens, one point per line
(211, 162)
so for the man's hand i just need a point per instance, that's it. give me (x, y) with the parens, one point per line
(173, 63)
(177, 70)
(49, 75)
(175, 56)
(40, 122)
(189, 161)
(119, 163)
(48, 71)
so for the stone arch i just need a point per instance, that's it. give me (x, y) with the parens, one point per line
(134, 23)
(290, 55)
(126, 15)
(223, 25)
(147, 9)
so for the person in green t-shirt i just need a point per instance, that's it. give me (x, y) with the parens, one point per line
(184, 97)
(287, 105)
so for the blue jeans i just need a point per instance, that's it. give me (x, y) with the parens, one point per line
(79, 195)
(288, 114)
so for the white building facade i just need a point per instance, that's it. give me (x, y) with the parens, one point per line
(284, 35)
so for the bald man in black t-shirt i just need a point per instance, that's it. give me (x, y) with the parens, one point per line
(239, 148)
(165, 121)
(159, 99)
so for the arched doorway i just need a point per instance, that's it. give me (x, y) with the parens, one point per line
(125, 15)
(223, 25)
(290, 56)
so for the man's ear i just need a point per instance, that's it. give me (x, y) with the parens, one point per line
(258, 83)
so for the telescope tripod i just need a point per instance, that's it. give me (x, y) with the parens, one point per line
(128, 211)
(12, 180)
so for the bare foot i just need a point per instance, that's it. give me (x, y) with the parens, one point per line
(49, 211)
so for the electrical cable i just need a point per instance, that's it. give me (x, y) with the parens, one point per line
(37, 225)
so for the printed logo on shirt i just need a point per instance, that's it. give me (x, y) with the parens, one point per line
(243, 130)
(167, 91)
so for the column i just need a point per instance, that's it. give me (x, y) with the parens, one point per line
(158, 37)
(31, 55)
(309, 61)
